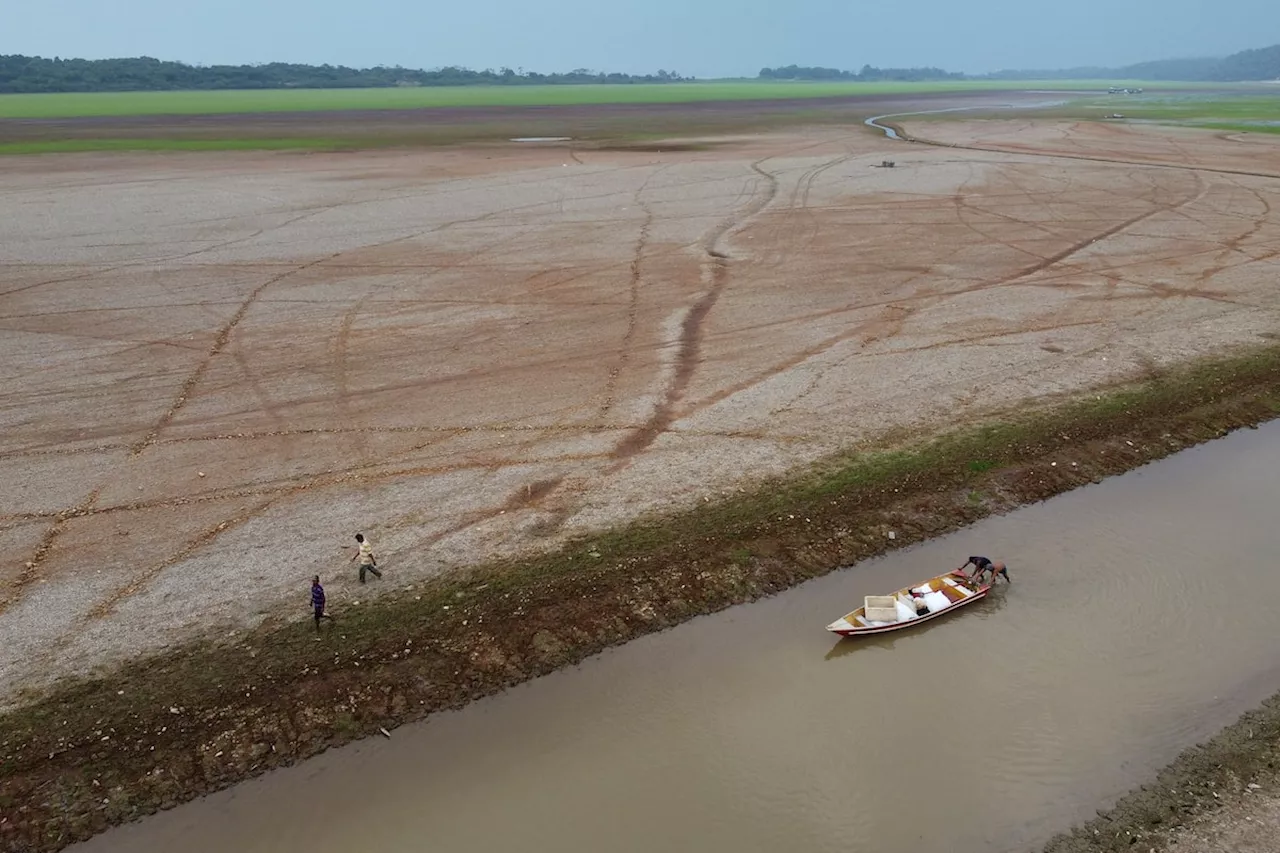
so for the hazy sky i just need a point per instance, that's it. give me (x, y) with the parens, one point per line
(704, 38)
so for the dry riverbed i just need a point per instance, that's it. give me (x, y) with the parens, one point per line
(207, 715)
(222, 366)
(496, 359)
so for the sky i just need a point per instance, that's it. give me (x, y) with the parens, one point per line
(701, 38)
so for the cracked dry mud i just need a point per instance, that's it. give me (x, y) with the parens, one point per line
(222, 366)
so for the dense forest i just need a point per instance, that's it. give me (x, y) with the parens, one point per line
(1261, 64)
(36, 74)
(867, 74)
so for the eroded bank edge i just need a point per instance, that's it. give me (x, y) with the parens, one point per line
(1239, 762)
(99, 752)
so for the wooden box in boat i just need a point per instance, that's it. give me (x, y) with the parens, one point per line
(942, 594)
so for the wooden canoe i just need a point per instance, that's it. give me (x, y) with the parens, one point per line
(942, 594)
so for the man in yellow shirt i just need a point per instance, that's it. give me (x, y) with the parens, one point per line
(365, 555)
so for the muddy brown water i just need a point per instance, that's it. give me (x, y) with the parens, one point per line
(1141, 619)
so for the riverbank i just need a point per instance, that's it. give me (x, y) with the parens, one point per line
(1220, 795)
(95, 753)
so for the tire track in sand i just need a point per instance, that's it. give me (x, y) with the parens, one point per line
(107, 605)
(1092, 158)
(31, 571)
(1080, 245)
(906, 306)
(633, 297)
(689, 343)
(50, 538)
(219, 344)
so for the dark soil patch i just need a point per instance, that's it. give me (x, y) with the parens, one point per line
(98, 752)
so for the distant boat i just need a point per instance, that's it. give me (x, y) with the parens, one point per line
(880, 614)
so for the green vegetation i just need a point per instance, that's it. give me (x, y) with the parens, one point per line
(66, 146)
(1257, 113)
(1261, 64)
(1201, 108)
(1243, 128)
(101, 104)
(40, 75)
(868, 74)
(37, 74)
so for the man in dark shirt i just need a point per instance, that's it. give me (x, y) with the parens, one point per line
(317, 601)
(981, 565)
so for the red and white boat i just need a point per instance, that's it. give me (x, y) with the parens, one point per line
(880, 614)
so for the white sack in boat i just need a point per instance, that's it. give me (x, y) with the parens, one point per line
(936, 601)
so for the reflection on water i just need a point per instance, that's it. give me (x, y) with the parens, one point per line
(1132, 630)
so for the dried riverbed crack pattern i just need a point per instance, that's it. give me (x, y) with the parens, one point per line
(535, 350)
(211, 714)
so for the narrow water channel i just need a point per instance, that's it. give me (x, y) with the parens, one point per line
(1143, 617)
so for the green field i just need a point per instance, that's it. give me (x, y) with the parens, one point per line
(71, 146)
(99, 104)
(1194, 107)
(1216, 108)
(1258, 113)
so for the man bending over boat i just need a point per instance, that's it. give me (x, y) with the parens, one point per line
(981, 565)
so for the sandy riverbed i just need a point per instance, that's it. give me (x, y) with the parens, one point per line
(222, 366)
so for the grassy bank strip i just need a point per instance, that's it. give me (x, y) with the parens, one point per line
(1238, 128)
(1196, 784)
(1196, 108)
(98, 752)
(352, 132)
(68, 146)
(99, 104)
(635, 132)
(1233, 112)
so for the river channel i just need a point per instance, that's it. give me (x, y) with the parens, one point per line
(1142, 617)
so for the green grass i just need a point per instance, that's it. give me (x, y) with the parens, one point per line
(1242, 128)
(1243, 112)
(65, 146)
(99, 104)
(1202, 107)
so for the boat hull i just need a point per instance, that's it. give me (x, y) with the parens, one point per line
(848, 627)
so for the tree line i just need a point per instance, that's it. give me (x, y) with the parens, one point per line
(20, 74)
(1247, 65)
(26, 74)
(867, 74)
